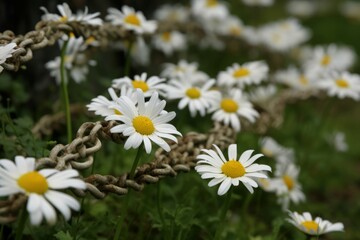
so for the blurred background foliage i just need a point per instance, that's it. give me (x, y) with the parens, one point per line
(330, 179)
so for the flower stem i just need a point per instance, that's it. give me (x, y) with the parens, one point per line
(64, 91)
(158, 197)
(21, 224)
(136, 161)
(128, 59)
(222, 216)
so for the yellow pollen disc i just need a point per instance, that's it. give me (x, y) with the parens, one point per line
(143, 125)
(179, 69)
(140, 85)
(193, 93)
(71, 35)
(289, 182)
(63, 19)
(310, 225)
(241, 72)
(303, 80)
(342, 83)
(132, 19)
(325, 60)
(211, 3)
(233, 169)
(235, 31)
(166, 36)
(90, 40)
(229, 105)
(117, 112)
(267, 152)
(33, 182)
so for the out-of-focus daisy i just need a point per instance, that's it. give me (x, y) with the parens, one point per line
(231, 171)
(301, 8)
(258, 2)
(338, 141)
(40, 187)
(303, 81)
(144, 123)
(351, 9)
(286, 184)
(305, 223)
(68, 16)
(272, 149)
(261, 95)
(131, 19)
(172, 13)
(209, 9)
(198, 98)
(184, 70)
(230, 108)
(265, 183)
(341, 84)
(251, 35)
(169, 41)
(147, 85)
(6, 52)
(324, 59)
(232, 26)
(139, 52)
(245, 74)
(104, 107)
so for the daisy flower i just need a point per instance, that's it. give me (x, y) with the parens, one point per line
(301, 8)
(230, 108)
(139, 52)
(131, 20)
(147, 85)
(258, 2)
(246, 74)
(303, 81)
(338, 141)
(170, 41)
(145, 122)
(209, 9)
(272, 149)
(231, 26)
(261, 95)
(184, 69)
(231, 171)
(341, 84)
(351, 9)
(198, 98)
(305, 223)
(286, 185)
(172, 13)
(6, 52)
(40, 187)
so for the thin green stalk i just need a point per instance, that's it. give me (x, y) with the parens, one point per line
(158, 197)
(128, 59)
(64, 91)
(21, 224)
(308, 237)
(136, 161)
(222, 216)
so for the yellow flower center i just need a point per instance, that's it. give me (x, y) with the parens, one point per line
(140, 85)
(71, 35)
(117, 112)
(310, 225)
(143, 125)
(289, 182)
(267, 152)
(90, 40)
(132, 19)
(325, 60)
(166, 36)
(303, 80)
(229, 105)
(241, 72)
(63, 19)
(233, 169)
(211, 3)
(235, 31)
(342, 83)
(33, 182)
(193, 93)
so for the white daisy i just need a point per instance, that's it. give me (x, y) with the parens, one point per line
(184, 69)
(286, 185)
(302, 8)
(104, 107)
(172, 13)
(351, 9)
(198, 98)
(258, 2)
(230, 171)
(6, 52)
(341, 84)
(231, 26)
(40, 187)
(139, 52)
(147, 85)
(305, 223)
(131, 20)
(338, 141)
(230, 108)
(145, 122)
(245, 74)
(209, 9)
(261, 95)
(294, 78)
(169, 41)
(272, 149)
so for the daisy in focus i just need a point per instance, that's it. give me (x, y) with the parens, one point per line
(169, 42)
(227, 172)
(145, 122)
(147, 85)
(131, 20)
(341, 85)
(6, 52)
(305, 223)
(245, 74)
(230, 108)
(41, 188)
(198, 98)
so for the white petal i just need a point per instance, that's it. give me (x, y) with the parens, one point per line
(245, 156)
(232, 152)
(225, 186)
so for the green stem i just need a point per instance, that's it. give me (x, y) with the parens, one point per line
(158, 197)
(222, 216)
(136, 161)
(128, 59)
(21, 224)
(64, 92)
